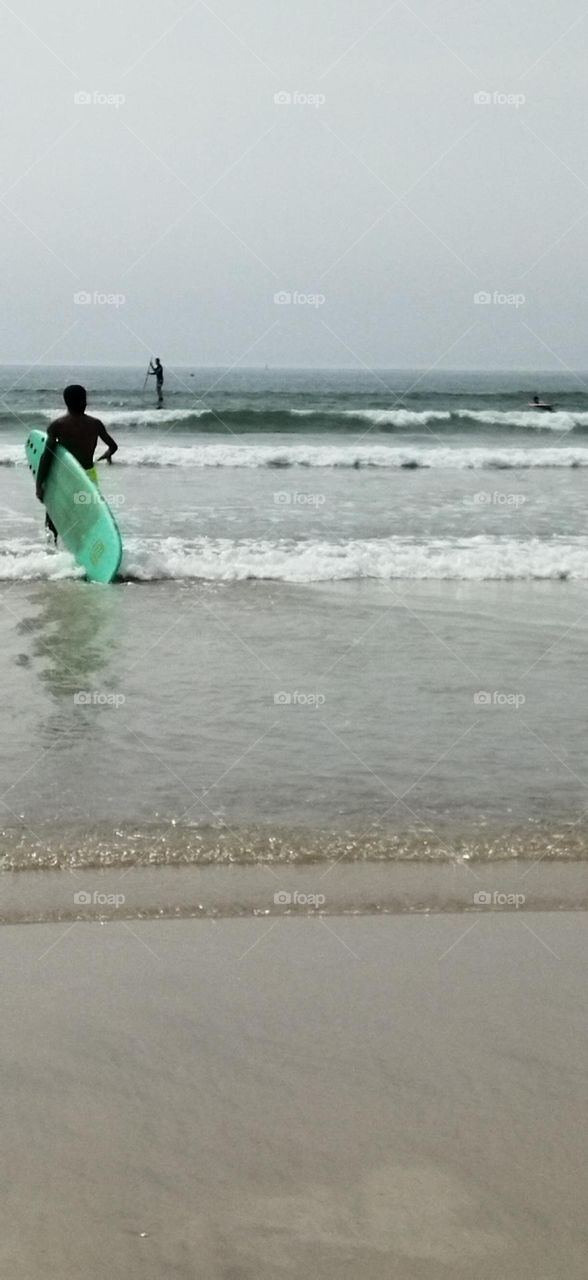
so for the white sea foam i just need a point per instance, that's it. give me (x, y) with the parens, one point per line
(353, 456)
(12, 455)
(527, 420)
(289, 560)
(396, 417)
(521, 419)
(403, 419)
(347, 455)
(475, 559)
(135, 417)
(23, 560)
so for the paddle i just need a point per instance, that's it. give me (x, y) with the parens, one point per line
(147, 375)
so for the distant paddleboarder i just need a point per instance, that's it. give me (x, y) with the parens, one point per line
(156, 370)
(79, 433)
(536, 403)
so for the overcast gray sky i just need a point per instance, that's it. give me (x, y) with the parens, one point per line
(382, 197)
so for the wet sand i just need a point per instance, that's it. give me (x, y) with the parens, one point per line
(236, 1099)
(274, 889)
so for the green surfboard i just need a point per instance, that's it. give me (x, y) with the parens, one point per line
(82, 517)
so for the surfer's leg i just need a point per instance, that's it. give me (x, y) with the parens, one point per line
(50, 527)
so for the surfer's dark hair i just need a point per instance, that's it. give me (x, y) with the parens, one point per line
(75, 398)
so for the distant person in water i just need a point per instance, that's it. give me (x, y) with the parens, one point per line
(79, 433)
(157, 371)
(540, 404)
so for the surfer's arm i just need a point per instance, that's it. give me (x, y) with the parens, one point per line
(46, 460)
(112, 445)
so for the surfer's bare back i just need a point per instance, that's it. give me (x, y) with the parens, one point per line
(78, 432)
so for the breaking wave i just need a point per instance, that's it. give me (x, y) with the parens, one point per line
(479, 558)
(350, 456)
(238, 420)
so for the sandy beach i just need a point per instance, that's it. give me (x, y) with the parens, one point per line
(259, 1098)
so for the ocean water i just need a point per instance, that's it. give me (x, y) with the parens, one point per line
(351, 624)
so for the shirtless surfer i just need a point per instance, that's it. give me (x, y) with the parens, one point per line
(79, 433)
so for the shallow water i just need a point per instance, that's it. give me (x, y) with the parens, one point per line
(322, 714)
